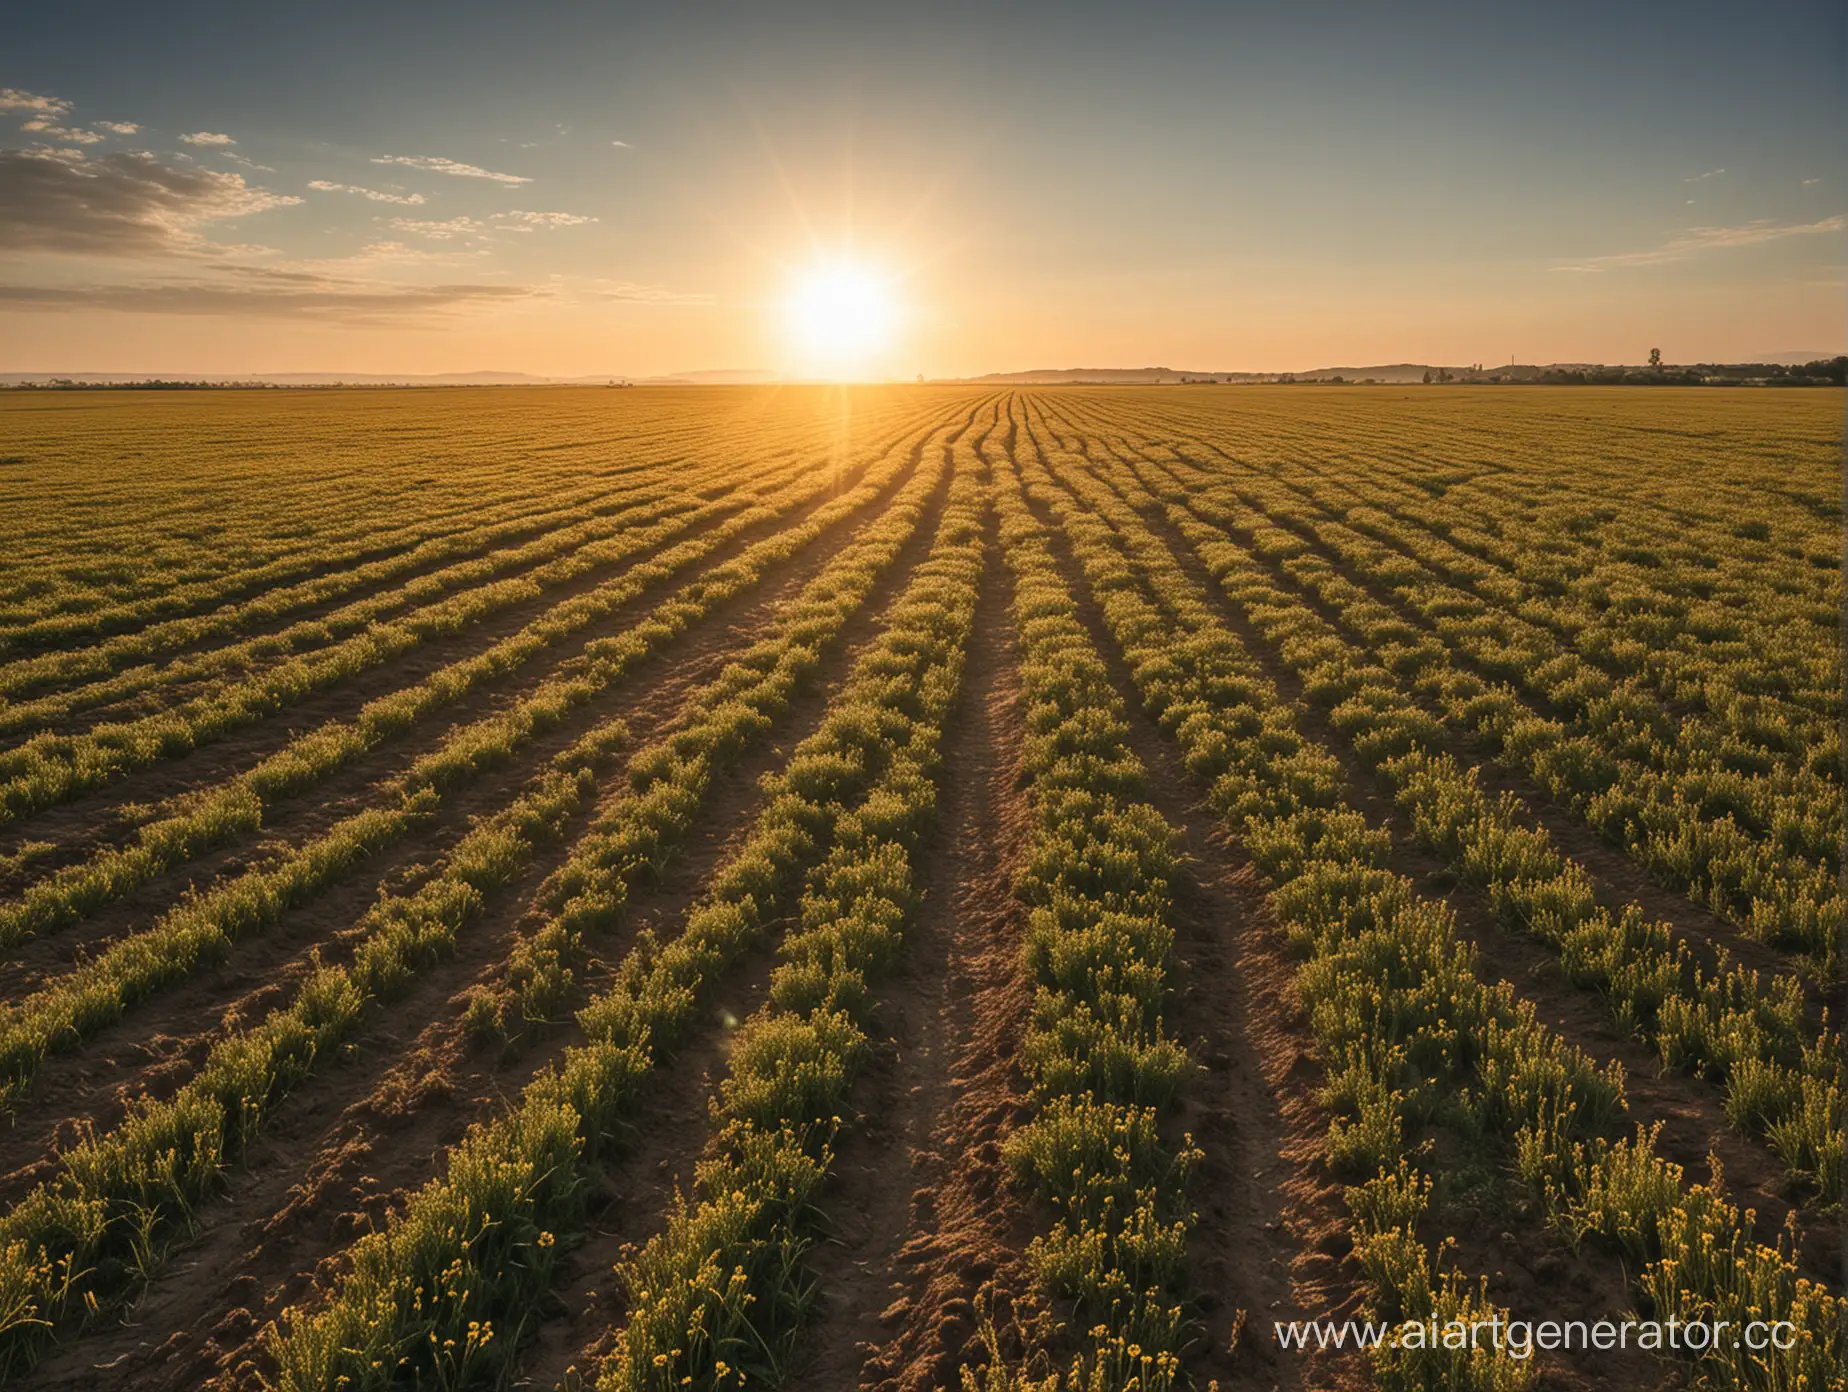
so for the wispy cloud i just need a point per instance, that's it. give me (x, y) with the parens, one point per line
(236, 158)
(51, 130)
(1700, 239)
(622, 145)
(446, 230)
(377, 196)
(437, 165)
(1710, 174)
(271, 294)
(530, 222)
(12, 99)
(451, 229)
(641, 293)
(118, 204)
(49, 114)
(214, 138)
(1808, 182)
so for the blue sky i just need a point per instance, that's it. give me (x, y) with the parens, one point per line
(576, 188)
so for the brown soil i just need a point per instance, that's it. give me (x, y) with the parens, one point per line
(925, 1227)
(1271, 1240)
(922, 1249)
(1624, 880)
(93, 819)
(1526, 1270)
(533, 523)
(267, 962)
(353, 1143)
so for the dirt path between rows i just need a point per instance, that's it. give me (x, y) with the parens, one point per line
(924, 1224)
(1271, 1243)
(341, 1156)
(1526, 1267)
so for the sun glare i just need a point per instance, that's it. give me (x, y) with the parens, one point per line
(841, 321)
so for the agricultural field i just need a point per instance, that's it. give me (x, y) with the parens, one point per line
(919, 887)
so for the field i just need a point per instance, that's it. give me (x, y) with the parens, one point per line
(918, 887)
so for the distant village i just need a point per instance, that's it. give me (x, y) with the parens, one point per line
(1823, 372)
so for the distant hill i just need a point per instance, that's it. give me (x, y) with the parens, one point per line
(725, 376)
(1393, 373)
(1389, 372)
(309, 379)
(715, 377)
(1086, 374)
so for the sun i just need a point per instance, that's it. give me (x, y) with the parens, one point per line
(841, 319)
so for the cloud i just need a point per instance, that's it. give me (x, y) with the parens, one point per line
(323, 186)
(1808, 182)
(52, 131)
(236, 158)
(439, 231)
(1710, 174)
(48, 115)
(450, 229)
(1756, 231)
(1698, 239)
(528, 222)
(207, 138)
(12, 99)
(639, 293)
(437, 165)
(622, 145)
(118, 204)
(269, 294)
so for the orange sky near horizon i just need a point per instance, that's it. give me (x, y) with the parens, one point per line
(566, 193)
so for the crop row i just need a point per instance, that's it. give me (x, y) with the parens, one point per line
(1413, 1038)
(1570, 663)
(82, 1240)
(1623, 517)
(1783, 1079)
(1660, 601)
(1742, 843)
(1102, 1064)
(1225, 720)
(1700, 828)
(52, 768)
(233, 513)
(563, 518)
(719, 1295)
(1680, 617)
(507, 522)
(639, 509)
(1790, 803)
(77, 1003)
(236, 807)
(668, 781)
(443, 1292)
(249, 1072)
(1704, 676)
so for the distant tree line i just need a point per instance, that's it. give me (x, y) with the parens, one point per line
(1823, 372)
(148, 384)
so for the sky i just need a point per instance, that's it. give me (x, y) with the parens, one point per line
(565, 189)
